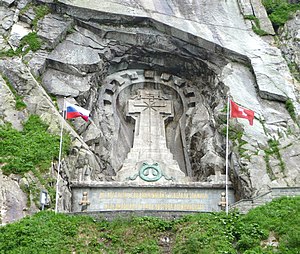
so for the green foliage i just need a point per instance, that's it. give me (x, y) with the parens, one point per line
(273, 150)
(280, 11)
(291, 109)
(256, 26)
(281, 216)
(34, 147)
(211, 233)
(20, 104)
(8, 53)
(29, 42)
(235, 135)
(32, 41)
(205, 233)
(259, 31)
(46, 232)
(40, 12)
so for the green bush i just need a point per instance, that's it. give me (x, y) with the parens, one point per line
(33, 147)
(211, 233)
(280, 11)
(46, 232)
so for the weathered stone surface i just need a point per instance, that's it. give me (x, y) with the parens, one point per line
(37, 62)
(52, 29)
(8, 112)
(13, 201)
(87, 38)
(246, 7)
(60, 83)
(261, 14)
(7, 17)
(260, 180)
(92, 134)
(291, 158)
(22, 3)
(3, 44)
(245, 205)
(76, 59)
(18, 31)
(234, 36)
(290, 43)
(7, 3)
(28, 16)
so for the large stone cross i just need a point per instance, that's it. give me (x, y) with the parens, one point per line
(149, 158)
(150, 110)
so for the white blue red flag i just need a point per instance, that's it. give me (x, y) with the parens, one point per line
(73, 111)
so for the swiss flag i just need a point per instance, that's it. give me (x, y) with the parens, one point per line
(240, 112)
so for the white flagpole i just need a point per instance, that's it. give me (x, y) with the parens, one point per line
(59, 157)
(226, 161)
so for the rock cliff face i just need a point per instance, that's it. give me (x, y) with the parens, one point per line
(96, 53)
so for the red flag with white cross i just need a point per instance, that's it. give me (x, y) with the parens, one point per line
(240, 112)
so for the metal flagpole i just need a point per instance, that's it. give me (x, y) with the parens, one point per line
(226, 161)
(59, 157)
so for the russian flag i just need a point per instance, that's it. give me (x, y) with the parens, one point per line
(73, 111)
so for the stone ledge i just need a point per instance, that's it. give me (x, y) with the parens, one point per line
(245, 205)
(203, 185)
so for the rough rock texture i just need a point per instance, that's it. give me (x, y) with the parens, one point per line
(98, 54)
(8, 113)
(290, 43)
(52, 29)
(12, 199)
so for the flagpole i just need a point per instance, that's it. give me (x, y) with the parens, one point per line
(226, 161)
(59, 156)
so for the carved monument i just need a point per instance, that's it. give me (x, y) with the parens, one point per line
(149, 159)
(147, 112)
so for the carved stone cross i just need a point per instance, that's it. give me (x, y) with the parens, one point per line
(150, 110)
(149, 159)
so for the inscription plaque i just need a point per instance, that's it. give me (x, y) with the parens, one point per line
(151, 198)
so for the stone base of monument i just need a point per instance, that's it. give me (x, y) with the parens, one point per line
(120, 196)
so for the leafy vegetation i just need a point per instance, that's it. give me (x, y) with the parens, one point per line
(32, 40)
(280, 11)
(291, 109)
(256, 26)
(29, 42)
(47, 232)
(273, 150)
(40, 12)
(235, 134)
(28, 150)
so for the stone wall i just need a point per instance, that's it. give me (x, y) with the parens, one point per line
(245, 205)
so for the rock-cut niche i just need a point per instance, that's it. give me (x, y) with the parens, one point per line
(147, 113)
